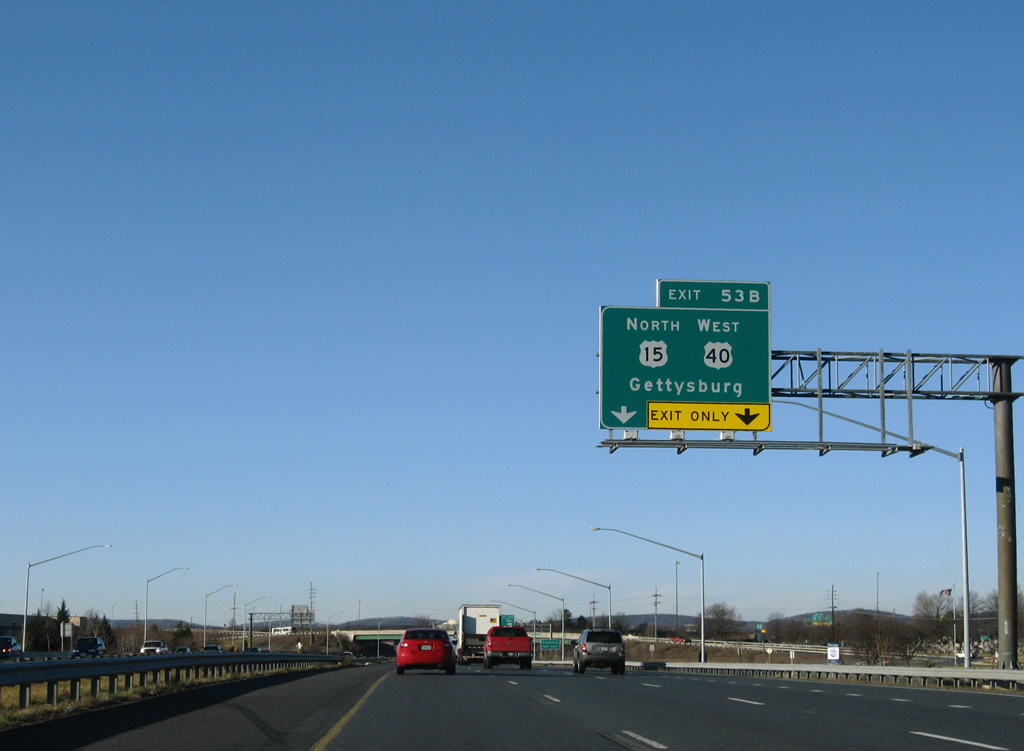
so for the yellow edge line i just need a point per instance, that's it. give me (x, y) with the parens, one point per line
(333, 732)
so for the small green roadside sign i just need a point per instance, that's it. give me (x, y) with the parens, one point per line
(507, 620)
(550, 643)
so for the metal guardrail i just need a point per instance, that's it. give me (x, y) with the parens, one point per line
(886, 675)
(120, 672)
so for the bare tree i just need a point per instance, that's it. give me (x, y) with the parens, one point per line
(776, 625)
(721, 620)
(877, 639)
(988, 614)
(908, 639)
(930, 610)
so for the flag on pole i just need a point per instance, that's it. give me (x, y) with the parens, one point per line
(946, 593)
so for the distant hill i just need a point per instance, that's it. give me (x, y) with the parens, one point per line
(666, 621)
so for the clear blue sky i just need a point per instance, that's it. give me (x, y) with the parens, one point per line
(309, 295)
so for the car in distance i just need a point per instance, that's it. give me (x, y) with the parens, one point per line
(92, 646)
(425, 649)
(9, 647)
(211, 649)
(182, 651)
(508, 644)
(153, 647)
(599, 648)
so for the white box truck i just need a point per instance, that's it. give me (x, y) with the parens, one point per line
(473, 623)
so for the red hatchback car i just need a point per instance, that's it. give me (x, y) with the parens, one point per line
(427, 649)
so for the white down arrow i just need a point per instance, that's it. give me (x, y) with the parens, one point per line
(623, 415)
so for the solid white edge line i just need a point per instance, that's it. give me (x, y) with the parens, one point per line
(957, 740)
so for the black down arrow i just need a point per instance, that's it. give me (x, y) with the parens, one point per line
(747, 417)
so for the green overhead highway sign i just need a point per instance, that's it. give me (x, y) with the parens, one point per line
(714, 295)
(703, 367)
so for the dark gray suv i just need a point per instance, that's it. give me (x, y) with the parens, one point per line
(599, 648)
(89, 645)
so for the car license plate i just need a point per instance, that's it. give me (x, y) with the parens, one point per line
(426, 647)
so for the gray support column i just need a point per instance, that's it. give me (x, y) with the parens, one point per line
(1006, 515)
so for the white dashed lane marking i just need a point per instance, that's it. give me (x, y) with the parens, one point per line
(645, 741)
(975, 744)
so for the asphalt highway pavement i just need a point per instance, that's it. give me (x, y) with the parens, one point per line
(544, 708)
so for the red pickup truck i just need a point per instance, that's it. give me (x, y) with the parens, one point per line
(508, 644)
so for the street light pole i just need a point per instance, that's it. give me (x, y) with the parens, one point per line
(959, 456)
(28, 573)
(245, 610)
(206, 608)
(677, 598)
(554, 597)
(145, 623)
(703, 652)
(588, 581)
(329, 630)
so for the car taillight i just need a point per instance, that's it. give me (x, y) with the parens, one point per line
(583, 646)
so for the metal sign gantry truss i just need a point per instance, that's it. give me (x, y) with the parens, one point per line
(888, 376)
(885, 376)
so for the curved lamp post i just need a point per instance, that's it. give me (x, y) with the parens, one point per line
(677, 598)
(703, 653)
(28, 572)
(959, 456)
(145, 624)
(329, 630)
(206, 604)
(562, 599)
(596, 584)
(245, 614)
